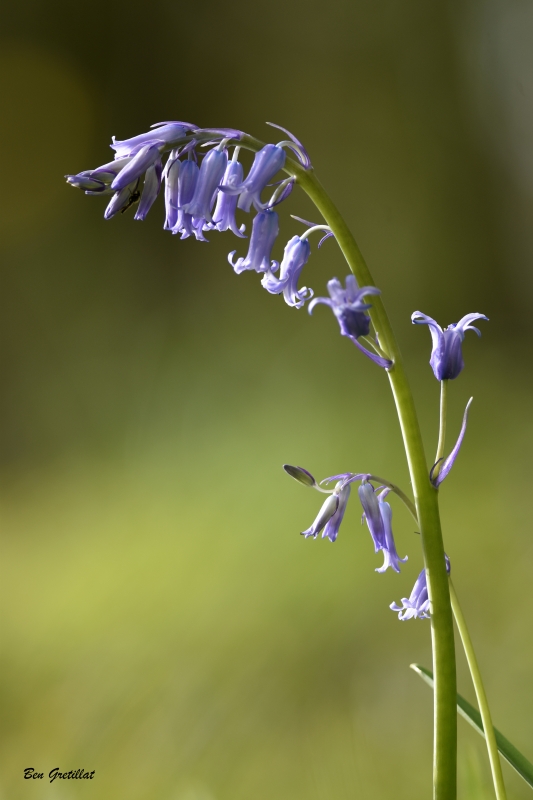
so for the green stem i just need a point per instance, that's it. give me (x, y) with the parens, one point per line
(488, 728)
(426, 498)
(442, 426)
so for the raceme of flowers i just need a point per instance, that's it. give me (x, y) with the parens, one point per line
(204, 188)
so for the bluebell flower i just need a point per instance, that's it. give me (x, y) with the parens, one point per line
(224, 214)
(187, 180)
(145, 157)
(171, 175)
(265, 229)
(163, 132)
(446, 356)
(440, 470)
(417, 604)
(152, 185)
(378, 515)
(295, 257)
(350, 310)
(331, 514)
(267, 162)
(210, 176)
(123, 199)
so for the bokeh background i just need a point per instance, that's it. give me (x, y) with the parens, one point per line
(163, 622)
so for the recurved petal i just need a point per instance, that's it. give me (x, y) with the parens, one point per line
(360, 293)
(317, 300)
(464, 323)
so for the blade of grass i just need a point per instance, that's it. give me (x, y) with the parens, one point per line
(513, 756)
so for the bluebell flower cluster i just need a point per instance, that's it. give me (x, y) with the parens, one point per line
(205, 186)
(376, 511)
(203, 191)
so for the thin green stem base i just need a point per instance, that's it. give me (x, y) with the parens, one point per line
(488, 728)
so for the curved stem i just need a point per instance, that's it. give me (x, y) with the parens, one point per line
(426, 496)
(488, 728)
(426, 499)
(442, 426)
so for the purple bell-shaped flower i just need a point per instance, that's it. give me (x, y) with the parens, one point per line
(265, 229)
(447, 355)
(295, 257)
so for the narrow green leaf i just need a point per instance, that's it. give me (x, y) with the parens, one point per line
(513, 756)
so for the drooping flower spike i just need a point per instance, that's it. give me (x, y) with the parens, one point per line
(350, 310)
(204, 190)
(442, 467)
(446, 355)
(416, 606)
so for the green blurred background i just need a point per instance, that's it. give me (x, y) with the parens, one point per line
(163, 622)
